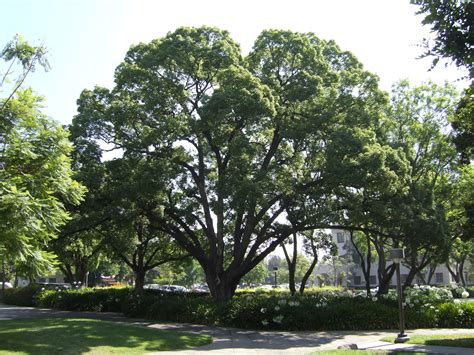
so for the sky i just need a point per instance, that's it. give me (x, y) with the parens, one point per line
(87, 39)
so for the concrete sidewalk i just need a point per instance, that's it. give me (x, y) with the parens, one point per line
(237, 341)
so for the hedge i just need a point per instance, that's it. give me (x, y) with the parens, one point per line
(318, 311)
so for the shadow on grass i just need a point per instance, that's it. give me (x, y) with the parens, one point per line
(458, 342)
(52, 335)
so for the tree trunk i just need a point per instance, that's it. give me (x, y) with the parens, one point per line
(364, 266)
(3, 277)
(222, 289)
(454, 273)
(414, 270)
(308, 274)
(384, 279)
(291, 265)
(461, 271)
(139, 279)
(431, 273)
(369, 263)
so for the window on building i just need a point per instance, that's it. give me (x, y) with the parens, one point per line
(356, 258)
(403, 278)
(42, 279)
(52, 280)
(357, 280)
(439, 277)
(373, 279)
(340, 237)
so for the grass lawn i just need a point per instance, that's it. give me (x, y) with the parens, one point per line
(457, 340)
(76, 336)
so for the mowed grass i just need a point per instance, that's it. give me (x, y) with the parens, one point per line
(456, 340)
(89, 336)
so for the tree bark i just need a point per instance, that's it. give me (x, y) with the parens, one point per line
(308, 274)
(222, 289)
(139, 279)
(291, 265)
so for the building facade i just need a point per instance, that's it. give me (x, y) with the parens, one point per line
(348, 271)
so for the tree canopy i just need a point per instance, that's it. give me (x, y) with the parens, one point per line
(234, 145)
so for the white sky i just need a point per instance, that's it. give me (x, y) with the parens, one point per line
(87, 39)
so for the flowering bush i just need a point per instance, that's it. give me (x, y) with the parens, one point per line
(323, 310)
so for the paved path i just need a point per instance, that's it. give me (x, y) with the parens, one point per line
(236, 341)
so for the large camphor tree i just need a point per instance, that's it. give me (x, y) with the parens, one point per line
(236, 144)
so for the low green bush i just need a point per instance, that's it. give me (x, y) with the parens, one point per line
(85, 299)
(22, 296)
(456, 315)
(329, 310)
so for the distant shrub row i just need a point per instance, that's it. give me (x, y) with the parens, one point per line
(318, 311)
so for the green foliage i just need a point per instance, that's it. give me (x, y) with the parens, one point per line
(22, 296)
(257, 275)
(28, 56)
(456, 315)
(35, 174)
(463, 125)
(219, 146)
(451, 24)
(322, 310)
(85, 299)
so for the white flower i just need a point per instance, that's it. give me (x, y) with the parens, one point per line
(465, 294)
(277, 308)
(264, 322)
(278, 319)
(374, 298)
(263, 310)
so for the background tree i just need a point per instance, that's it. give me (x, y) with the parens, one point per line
(130, 233)
(258, 275)
(238, 141)
(451, 25)
(421, 118)
(364, 255)
(301, 265)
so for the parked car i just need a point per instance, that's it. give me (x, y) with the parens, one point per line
(174, 288)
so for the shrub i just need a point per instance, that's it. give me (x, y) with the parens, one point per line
(22, 296)
(456, 315)
(470, 290)
(326, 310)
(86, 299)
